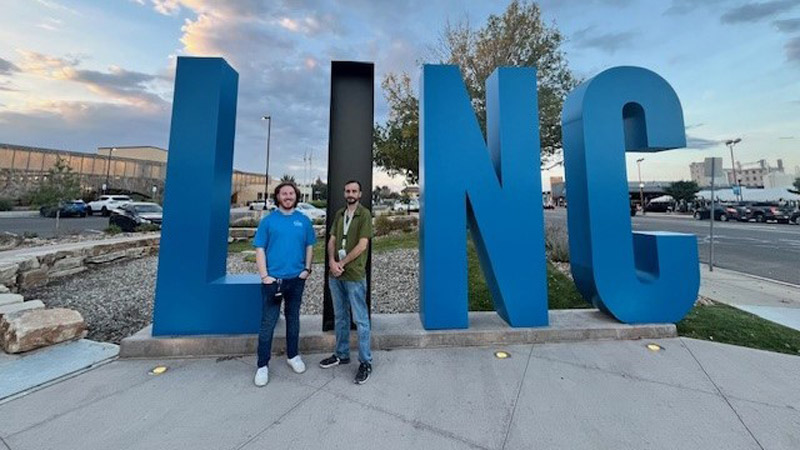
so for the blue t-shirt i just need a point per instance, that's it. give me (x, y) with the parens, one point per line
(285, 238)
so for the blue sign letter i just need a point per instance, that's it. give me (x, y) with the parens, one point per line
(497, 192)
(636, 277)
(193, 293)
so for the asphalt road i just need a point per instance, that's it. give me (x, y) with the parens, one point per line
(766, 250)
(46, 227)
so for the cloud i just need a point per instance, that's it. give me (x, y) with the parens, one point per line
(7, 67)
(788, 25)
(118, 85)
(700, 143)
(608, 42)
(682, 7)
(75, 125)
(793, 50)
(754, 12)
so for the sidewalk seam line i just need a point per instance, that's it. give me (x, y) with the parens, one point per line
(516, 400)
(727, 401)
(414, 423)
(628, 376)
(5, 444)
(297, 405)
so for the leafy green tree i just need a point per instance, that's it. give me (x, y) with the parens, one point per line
(320, 189)
(518, 37)
(682, 190)
(287, 178)
(60, 184)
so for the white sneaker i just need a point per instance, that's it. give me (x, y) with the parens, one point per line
(296, 364)
(262, 376)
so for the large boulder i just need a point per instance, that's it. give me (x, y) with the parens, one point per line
(27, 330)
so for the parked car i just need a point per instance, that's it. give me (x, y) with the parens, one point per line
(413, 205)
(131, 215)
(259, 205)
(764, 212)
(107, 203)
(795, 217)
(311, 211)
(73, 208)
(722, 213)
(658, 207)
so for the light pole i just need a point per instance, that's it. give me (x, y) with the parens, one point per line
(641, 185)
(108, 169)
(266, 182)
(731, 143)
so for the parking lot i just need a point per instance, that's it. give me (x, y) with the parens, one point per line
(768, 250)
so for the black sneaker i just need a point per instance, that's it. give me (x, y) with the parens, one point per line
(333, 361)
(363, 373)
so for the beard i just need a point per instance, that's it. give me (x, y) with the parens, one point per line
(351, 200)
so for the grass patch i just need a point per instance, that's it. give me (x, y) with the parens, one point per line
(394, 242)
(726, 324)
(240, 246)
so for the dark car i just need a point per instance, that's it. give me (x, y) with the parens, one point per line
(764, 212)
(132, 215)
(73, 208)
(795, 217)
(658, 207)
(722, 213)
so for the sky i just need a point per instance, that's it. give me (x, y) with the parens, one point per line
(82, 74)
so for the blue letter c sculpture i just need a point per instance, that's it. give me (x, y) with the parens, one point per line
(636, 277)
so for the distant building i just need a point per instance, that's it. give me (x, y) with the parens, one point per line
(142, 153)
(698, 172)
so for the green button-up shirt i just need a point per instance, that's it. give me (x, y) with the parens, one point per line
(360, 228)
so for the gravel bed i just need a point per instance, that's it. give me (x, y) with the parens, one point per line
(117, 300)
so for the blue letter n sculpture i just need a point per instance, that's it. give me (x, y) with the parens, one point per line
(193, 293)
(497, 191)
(636, 277)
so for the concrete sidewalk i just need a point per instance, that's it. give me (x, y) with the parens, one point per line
(593, 395)
(772, 300)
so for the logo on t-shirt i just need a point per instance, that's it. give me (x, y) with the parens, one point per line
(297, 223)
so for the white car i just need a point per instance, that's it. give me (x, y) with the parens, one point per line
(311, 211)
(107, 203)
(259, 205)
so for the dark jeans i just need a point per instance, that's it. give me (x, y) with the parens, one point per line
(292, 295)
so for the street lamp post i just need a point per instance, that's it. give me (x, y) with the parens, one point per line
(641, 185)
(731, 143)
(108, 169)
(266, 182)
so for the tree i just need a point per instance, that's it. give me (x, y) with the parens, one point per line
(287, 178)
(518, 37)
(682, 190)
(797, 185)
(60, 184)
(320, 190)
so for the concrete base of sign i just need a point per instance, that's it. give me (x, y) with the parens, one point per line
(398, 331)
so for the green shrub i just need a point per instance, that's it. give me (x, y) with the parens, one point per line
(384, 225)
(245, 222)
(113, 229)
(6, 204)
(556, 243)
(322, 204)
(29, 235)
(145, 227)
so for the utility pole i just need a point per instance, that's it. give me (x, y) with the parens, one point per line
(266, 181)
(641, 185)
(731, 143)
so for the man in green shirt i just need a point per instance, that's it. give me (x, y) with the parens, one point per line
(347, 250)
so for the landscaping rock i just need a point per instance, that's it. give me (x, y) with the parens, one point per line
(29, 264)
(8, 274)
(10, 299)
(20, 306)
(32, 278)
(4, 289)
(67, 263)
(27, 330)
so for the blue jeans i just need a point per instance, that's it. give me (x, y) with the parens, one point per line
(292, 295)
(351, 296)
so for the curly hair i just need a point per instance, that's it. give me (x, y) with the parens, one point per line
(278, 188)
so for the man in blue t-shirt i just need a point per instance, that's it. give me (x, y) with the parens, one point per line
(284, 245)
